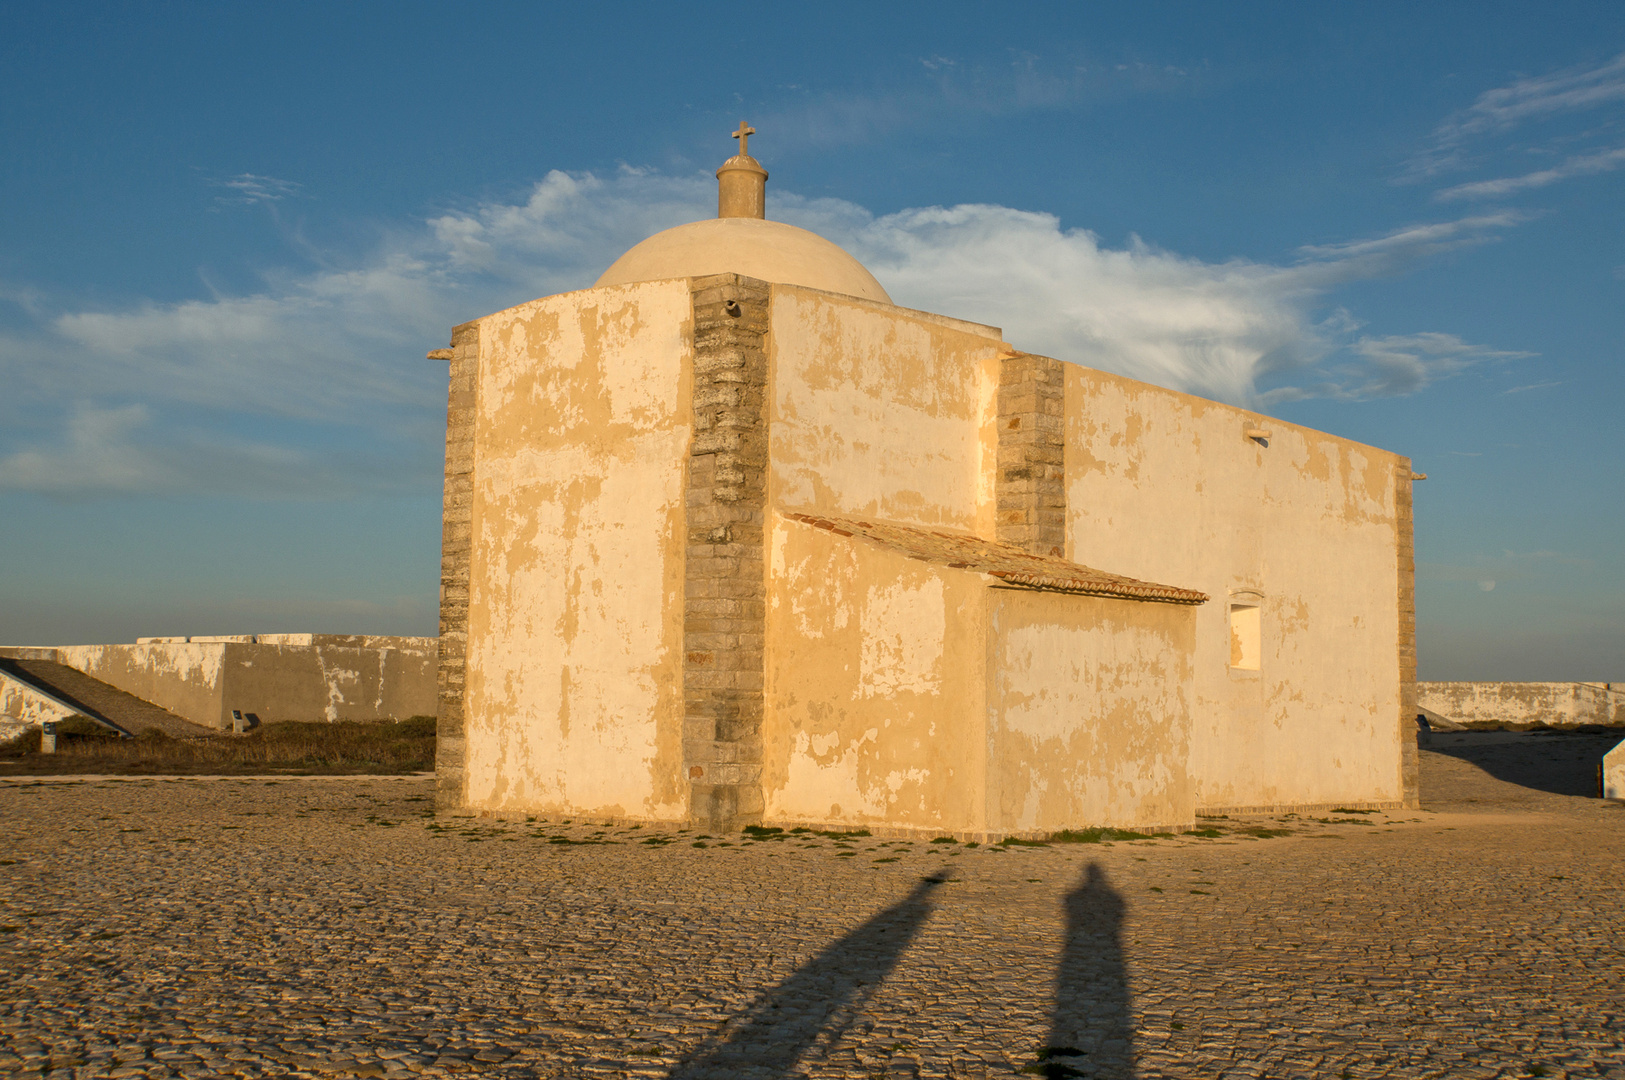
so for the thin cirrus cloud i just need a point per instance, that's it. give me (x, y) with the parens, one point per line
(247, 189)
(316, 384)
(121, 449)
(1580, 165)
(950, 89)
(1500, 111)
(1553, 117)
(1400, 364)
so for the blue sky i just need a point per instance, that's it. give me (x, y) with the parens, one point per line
(229, 233)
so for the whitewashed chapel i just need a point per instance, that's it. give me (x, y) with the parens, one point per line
(729, 537)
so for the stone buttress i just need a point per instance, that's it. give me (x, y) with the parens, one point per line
(1031, 485)
(456, 541)
(725, 573)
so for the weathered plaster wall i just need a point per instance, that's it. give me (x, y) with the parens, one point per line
(1524, 703)
(376, 678)
(882, 412)
(1169, 487)
(908, 694)
(23, 706)
(1089, 709)
(874, 696)
(1613, 773)
(185, 678)
(573, 689)
(328, 682)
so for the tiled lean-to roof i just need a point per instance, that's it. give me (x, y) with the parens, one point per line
(1006, 562)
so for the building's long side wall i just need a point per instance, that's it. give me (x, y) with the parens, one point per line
(574, 664)
(1089, 712)
(878, 412)
(875, 677)
(1169, 487)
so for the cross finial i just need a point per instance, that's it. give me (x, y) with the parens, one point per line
(743, 135)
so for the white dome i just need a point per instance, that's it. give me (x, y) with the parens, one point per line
(769, 250)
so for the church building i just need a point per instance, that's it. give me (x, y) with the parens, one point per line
(731, 538)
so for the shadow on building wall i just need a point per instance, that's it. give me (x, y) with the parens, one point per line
(1091, 1031)
(815, 1004)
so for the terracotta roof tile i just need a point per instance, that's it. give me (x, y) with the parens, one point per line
(1006, 562)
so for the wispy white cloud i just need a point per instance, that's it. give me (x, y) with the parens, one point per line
(1580, 165)
(1403, 247)
(1538, 96)
(325, 367)
(116, 449)
(1568, 119)
(1499, 111)
(948, 89)
(1403, 364)
(1389, 366)
(311, 347)
(247, 189)
(1532, 386)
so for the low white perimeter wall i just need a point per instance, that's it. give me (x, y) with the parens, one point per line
(1613, 773)
(333, 678)
(1558, 704)
(185, 679)
(23, 707)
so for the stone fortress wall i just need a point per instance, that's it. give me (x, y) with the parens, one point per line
(1503, 705)
(272, 676)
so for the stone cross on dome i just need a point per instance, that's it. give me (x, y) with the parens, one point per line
(742, 182)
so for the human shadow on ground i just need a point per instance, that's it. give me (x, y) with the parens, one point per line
(815, 1001)
(1091, 1032)
(1559, 764)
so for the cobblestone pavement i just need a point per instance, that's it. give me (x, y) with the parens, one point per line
(259, 927)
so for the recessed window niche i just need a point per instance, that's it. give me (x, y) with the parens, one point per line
(1246, 633)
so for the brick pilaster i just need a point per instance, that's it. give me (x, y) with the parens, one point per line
(725, 577)
(1405, 534)
(455, 543)
(1031, 486)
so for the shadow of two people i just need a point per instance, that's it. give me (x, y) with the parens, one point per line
(1091, 1028)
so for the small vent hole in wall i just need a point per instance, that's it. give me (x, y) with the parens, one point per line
(1246, 641)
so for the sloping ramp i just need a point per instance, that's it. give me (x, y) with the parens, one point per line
(100, 701)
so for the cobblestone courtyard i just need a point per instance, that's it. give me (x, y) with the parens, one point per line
(332, 927)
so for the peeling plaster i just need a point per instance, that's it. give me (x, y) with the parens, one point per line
(902, 633)
(1167, 487)
(876, 412)
(573, 688)
(1090, 713)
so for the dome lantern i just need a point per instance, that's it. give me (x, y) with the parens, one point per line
(740, 240)
(742, 182)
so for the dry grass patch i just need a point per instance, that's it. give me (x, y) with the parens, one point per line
(346, 746)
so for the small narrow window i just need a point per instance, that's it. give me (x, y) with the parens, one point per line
(1246, 641)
